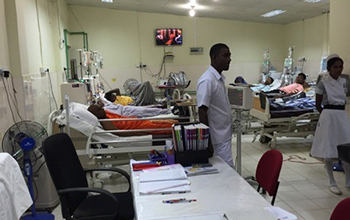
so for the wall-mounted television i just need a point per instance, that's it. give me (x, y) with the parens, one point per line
(168, 36)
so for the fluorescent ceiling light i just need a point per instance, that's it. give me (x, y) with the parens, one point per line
(192, 12)
(107, 1)
(273, 13)
(313, 1)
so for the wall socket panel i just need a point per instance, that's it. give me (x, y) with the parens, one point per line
(141, 65)
(43, 70)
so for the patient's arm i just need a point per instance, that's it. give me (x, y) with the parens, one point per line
(116, 91)
(318, 102)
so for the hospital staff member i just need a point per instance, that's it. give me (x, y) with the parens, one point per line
(213, 104)
(333, 127)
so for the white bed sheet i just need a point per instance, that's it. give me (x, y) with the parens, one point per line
(86, 128)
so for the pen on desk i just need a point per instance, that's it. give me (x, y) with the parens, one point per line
(182, 200)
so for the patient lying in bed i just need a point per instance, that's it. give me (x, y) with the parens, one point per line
(291, 89)
(264, 87)
(132, 111)
(115, 97)
(100, 113)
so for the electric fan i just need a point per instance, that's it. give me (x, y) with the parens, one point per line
(23, 141)
(130, 84)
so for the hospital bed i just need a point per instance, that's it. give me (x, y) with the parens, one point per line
(99, 146)
(282, 123)
(249, 120)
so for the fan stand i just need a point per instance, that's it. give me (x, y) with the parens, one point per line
(27, 145)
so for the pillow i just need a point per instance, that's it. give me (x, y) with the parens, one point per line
(276, 84)
(80, 111)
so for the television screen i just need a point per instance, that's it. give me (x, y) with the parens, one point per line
(169, 36)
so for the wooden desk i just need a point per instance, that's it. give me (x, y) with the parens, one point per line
(225, 192)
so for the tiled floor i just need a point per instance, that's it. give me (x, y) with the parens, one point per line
(304, 184)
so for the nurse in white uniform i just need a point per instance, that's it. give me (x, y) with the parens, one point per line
(333, 127)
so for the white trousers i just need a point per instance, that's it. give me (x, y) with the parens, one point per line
(224, 150)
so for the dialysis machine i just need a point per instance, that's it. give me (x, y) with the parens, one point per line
(83, 83)
(241, 99)
(287, 75)
(266, 66)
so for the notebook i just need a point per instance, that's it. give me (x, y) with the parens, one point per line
(163, 175)
(171, 186)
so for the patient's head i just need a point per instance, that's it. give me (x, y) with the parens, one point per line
(300, 78)
(97, 111)
(110, 97)
(269, 80)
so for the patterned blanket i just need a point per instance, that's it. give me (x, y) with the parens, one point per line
(295, 104)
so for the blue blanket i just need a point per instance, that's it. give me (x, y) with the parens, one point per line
(295, 104)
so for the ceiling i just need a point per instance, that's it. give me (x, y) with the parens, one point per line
(243, 10)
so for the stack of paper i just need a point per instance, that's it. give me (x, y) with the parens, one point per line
(164, 181)
(195, 171)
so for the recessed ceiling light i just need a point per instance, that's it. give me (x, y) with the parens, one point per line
(107, 1)
(273, 13)
(313, 1)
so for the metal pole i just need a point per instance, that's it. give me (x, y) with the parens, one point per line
(66, 100)
(239, 145)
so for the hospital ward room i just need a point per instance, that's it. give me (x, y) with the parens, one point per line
(174, 110)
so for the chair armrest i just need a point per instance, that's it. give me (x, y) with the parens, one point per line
(122, 172)
(87, 189)
(103, 192)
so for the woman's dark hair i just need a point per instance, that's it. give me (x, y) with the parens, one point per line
(332, 61)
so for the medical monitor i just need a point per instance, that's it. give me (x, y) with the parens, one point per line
(168, 36)
(240, 97)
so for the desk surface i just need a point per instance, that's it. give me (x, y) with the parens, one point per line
(225, 192)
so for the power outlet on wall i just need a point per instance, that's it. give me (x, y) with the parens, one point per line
(141, 65)
(4, 72)
(43, 70)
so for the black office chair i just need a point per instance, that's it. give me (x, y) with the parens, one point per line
(344, 152)
(70, 181)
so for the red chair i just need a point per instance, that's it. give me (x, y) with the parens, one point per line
(341, 211)
(268, 171)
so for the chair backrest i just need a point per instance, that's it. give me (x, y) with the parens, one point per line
(268, 170)
(65, 168)
(341, 211)
(344, 152)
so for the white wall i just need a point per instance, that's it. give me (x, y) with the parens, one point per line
(310, 38)
(34, 37)
(339, 31)
(126, 38)
(4, 64)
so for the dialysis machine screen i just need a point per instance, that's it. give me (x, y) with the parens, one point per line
(240, 97)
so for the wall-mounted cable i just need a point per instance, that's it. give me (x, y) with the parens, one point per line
(39, 31)
(61, 43)
(51, 89)
(8, 100)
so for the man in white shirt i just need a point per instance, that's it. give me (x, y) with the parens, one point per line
(213, 104)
